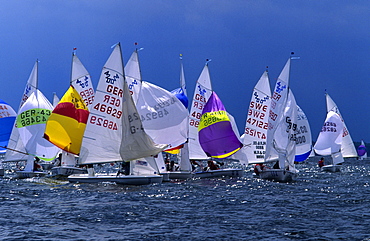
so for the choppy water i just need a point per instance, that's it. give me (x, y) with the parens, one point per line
(317, 206)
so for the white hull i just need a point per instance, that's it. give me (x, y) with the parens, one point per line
(331, 168)
(181, 175)
(66, 171)
(120, 179)
(279, 175)
(27, 174)
(230, 172)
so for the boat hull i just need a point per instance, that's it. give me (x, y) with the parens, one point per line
(278, 175)
(331, 168)
(230, 172)
(28, 174)
(165, 176)
(66, 171)
(47, 166)
(181, 175)
(120, 179)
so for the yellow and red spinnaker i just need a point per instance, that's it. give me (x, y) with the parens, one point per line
(66, 124)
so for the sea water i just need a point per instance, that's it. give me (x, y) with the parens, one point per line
(317, 206)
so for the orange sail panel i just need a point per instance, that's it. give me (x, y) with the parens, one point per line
(66, 124)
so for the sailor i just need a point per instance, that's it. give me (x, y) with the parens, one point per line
(321, 162)
(212, 165)
(36, 165)
(258, 168)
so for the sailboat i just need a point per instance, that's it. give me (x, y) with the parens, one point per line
(185, 168)
(114, 132)
(281, 133)
(66, 130)
(330, 140)
(15, 150)
(361, 151)
(7, 119)
(334, 138)
(31, 121)
(255, 131)
(202, 93)
(217, 138)
(164, 117)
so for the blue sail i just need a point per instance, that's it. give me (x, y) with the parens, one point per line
(179, 93)
(7, 118)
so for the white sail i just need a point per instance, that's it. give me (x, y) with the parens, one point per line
(303, 137)
(330, 137)
(133, 75)
(164, 117)
(202, 92)
(16, 148)
(278, 102)
(348, 148)
(114, 131)
(284, 139)
(31, 122)
(81, 81)
(255, 132)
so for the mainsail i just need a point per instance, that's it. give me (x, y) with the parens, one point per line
(255, 132)
(133, 75)
(202, 92)
(114, 130)
(81, 81)
(216, 135)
